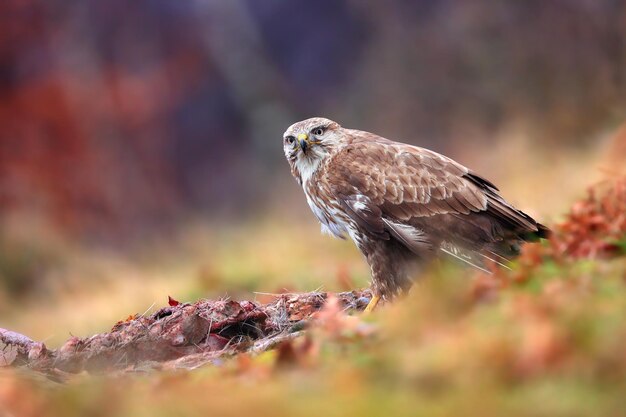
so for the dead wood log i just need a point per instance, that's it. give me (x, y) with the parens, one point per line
(183, 334)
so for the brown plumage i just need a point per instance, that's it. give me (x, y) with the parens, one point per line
(402, 205)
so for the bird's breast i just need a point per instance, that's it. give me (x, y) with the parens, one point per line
(329, 213)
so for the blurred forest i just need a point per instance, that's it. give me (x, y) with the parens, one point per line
(141, 157)
(120, 119)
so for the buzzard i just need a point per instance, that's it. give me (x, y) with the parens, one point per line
(402, 205)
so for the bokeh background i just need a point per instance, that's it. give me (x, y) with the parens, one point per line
(141, 157)
(140, 141)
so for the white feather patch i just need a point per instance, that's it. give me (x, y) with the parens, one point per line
(463, 256)
(307, 168)
(359, 206)
(407, 230)
(413, 238)
(332, 225)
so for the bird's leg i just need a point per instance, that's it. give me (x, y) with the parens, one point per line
(372, 304)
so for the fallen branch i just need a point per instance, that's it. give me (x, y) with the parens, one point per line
(182, 335)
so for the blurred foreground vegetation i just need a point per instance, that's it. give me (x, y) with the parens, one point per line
(549, 345)
(546, 338)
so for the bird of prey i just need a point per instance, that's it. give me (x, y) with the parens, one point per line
(402, 205)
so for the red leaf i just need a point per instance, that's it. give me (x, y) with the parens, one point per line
(172, 302)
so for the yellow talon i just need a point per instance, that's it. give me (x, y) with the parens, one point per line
(372, 304)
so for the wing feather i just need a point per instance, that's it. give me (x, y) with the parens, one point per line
(366, 215)
(414, 239)
(384, 184)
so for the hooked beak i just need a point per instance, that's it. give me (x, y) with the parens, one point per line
(303, 140)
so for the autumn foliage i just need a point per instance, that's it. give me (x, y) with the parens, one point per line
(595, 226)
(553, 326)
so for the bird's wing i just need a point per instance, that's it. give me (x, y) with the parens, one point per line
(403, 181)
(385, 185)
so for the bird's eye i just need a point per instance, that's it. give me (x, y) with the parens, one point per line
(318, 131)
(290, 140)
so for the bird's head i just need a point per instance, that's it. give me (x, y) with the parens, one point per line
(308, 142)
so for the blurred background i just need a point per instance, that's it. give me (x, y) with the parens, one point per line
(140, 142)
